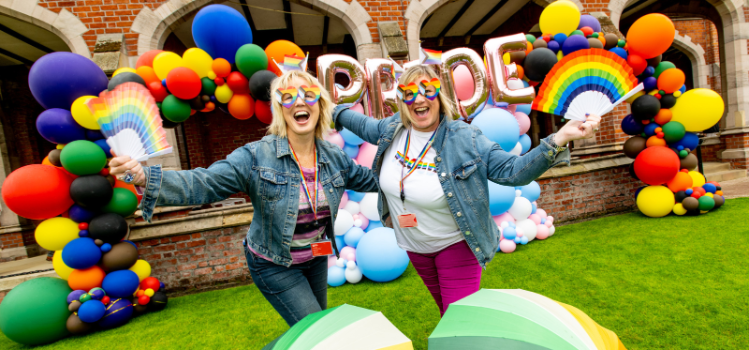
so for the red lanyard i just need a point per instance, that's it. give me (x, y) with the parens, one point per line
(313, 204)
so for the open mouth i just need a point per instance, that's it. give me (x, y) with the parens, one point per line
(421, 112)
(301, 117)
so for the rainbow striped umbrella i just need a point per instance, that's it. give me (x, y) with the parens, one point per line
(343, 327)
(520, 320)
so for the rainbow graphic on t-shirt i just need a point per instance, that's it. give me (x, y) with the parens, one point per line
(408, 163)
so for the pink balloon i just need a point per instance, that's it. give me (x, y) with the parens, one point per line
(348, 253)
(355, 162)
(367, 153)
(344, 200)
(358, 108)
(331, 261)
(507, 246)
(363, 219)
(542, 232)
(335, 138)
(503, 217)
(548, 223)
(542, 213)
(511, 108)
(535, 218)
(524, 121)
(550, 218)
(464, 86)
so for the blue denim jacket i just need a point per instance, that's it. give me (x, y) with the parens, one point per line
(265, 171)
(465, 160)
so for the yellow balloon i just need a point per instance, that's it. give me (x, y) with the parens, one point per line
(82, 114)
(710, 195)
(697, 179)
(211, 75)
(198, 60)
(223, 93)
(61, 269)
(506, 58)
(124, 69)
(698, 109)
(679, 209)
(149, 292)
(560, 55)
(562, 16)
(655, 201)
(164, 62)
(141, 268)
(55, 233)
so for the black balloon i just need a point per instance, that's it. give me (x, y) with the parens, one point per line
(634, 146)
(653, 62)
(91, 191)
(260, 84)
(139, 309)
(645, 107)
(689, 162)
(125, 77)
(680, 196)
(540, 44)
(668, 101)
(122, 256)
(168, 123)
(690, 203)
(632, 171)
(76, 326)
(110, 228)
(94, 135)
(54, 157)
(611, 41)
(197, 103)
(538, 63)
(158, 301)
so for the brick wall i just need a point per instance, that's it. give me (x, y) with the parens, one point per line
(595, 6)
(710, 153)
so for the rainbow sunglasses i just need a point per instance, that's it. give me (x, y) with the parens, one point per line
(430, 90)
(287, 96)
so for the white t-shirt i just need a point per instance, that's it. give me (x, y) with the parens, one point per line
(425, 198)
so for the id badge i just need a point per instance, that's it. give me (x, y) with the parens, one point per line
(322, 248)
(407, 220)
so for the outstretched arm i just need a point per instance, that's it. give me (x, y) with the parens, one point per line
(365, 127)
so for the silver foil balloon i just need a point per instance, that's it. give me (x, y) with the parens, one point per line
(330, 65)
(382, 87)
(463, 56)
(499, 72)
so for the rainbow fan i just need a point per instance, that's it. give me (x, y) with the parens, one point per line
(591, 81)
(130, 120)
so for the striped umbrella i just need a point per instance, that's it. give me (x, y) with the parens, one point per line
(343, 327)
(518, 319)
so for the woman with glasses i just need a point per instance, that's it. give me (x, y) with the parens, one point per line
(295, 181)
(433, 173)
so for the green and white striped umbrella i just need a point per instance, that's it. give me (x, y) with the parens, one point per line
(344, 327)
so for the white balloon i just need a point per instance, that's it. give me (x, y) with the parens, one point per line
(340, 262)
(504, 224)
(352, 207)
(515, 84)
(517, 150)
(529, 228)
(343, 222)
(552, 229)
(520, 209)
(368, 207)
(352, 273)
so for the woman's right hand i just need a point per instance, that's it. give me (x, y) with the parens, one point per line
(118, 166)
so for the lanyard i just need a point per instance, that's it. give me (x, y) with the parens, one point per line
(415, 163)
(313, 204)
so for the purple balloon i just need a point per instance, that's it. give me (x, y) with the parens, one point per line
(59, 78)
(78, 213)
(58, 126)
(75, 295)
(575, 43)
(589, 21)
(650, 83)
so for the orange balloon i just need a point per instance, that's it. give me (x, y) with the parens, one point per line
(277, 50)
(241, 106)
(655, 141)
(529, 47)
(671, 80)
(221, 67)
(86, 279)
(46, 161)
(146, 59)
(650, 35)
(602, 38)
(148, 74)
(663, 117)
(521, 72)
(209, 107)
(681, 182)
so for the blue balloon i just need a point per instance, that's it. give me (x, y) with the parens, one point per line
(575, 43)
(120, 284)
(650, 129)
(531, 191)
(649, 71)
(105, 147)
(709, 188)
(119, 311)
(650, 83)
(690, 141)
(619, 52)
(106, 247)
(58, 126)
(560, 38)
(93, 135)
(590, 21)
(339, 243)
(509, 232)
(534, 208)
(631, 126)
(91, 311)
(517, 240)
(524, 240)
(373, 225)
(355, 196)
(499, 126)
(553, 46)
(220, 31)
(352, 236)
(336, 276)
(637, 191)
(350, 138)
(501, 198)
(81, 253)
(525, 108)
(80, 214)
(57, 79)
(379, 257)
(683, 89)
(350, 150)
(525, 142)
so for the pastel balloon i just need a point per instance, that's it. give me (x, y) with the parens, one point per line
(335, 138)
(367, 153)
(464, 86)
(542, 231)
(507, 246)
(524, 122)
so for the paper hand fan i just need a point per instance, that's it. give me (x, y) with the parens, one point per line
(130, 120)
(591, 81)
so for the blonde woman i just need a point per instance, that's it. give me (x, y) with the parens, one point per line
(295, 181)
(433, 174)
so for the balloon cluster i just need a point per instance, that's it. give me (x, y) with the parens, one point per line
(516, 212)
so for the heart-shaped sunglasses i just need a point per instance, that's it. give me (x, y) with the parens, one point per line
(287, 96)
(430, 90)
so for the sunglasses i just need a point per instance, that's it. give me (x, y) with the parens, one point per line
(430, 90)
(287, 96)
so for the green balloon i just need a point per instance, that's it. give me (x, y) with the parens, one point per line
(530, 38)
(683, 154)
(662, 67)
(577, 32)
(209, 87)
(175, 109)
(36, 311)
(673, 131)
(123, 203)
(251, 58)
(621, 43)
(706, 203)
(83, 158)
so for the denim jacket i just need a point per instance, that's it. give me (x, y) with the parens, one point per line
(267, 173)
(465, 160)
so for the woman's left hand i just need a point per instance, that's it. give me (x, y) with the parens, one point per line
(577, 130)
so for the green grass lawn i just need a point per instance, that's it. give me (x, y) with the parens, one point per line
(671, 283)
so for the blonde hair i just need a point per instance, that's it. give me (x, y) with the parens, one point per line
(278, 125)
(413, 73)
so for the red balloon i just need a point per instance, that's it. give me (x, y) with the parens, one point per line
(183, 83)
(637, 63)
(143, 300)
(656, 165)
(146, 59)
(238, 83)
(158, 91)
(587, 31)
(150, 283)
(105, 300)
(242, 106)
(37, 191)
(263, 111)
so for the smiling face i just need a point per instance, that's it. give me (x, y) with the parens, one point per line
(301, 118)
(425, 112)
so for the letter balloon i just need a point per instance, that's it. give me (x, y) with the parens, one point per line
(382, 86)
(330, 65)
(498, 72)
(470, 59)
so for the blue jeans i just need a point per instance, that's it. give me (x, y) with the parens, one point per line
(294, 291)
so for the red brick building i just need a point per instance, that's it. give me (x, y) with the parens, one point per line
(197, 246)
